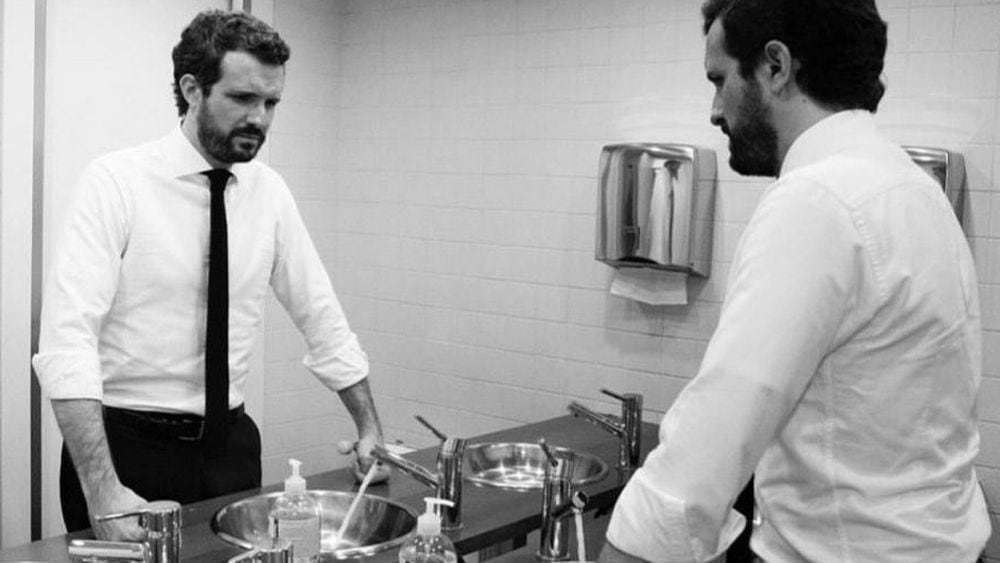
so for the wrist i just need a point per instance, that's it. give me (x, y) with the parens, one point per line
(99, 490)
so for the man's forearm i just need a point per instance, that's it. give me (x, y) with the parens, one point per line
(81, 422)
(361, 406)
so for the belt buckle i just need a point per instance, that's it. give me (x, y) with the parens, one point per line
(197, 437)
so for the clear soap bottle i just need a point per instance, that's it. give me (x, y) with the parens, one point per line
(429, 545)
(296, 516)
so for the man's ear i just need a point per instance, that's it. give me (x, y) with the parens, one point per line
(778, 66)
(191, 90)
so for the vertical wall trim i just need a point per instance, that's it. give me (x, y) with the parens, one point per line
(37, 231)
(18, 150)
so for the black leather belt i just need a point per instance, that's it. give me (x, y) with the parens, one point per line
(164, 424)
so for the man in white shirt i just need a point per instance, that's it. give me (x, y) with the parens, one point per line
(844, 370)
(166, 241)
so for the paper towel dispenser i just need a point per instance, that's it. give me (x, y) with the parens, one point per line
(947, 168)
(655, 207)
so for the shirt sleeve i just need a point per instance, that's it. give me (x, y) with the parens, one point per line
(303, 287)
(789, 288)
(80, 287)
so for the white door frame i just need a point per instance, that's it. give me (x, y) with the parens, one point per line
(21, 101)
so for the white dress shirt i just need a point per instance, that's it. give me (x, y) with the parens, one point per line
(123, 316)
(843, 373)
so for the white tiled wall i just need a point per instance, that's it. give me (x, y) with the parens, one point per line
(444, 154)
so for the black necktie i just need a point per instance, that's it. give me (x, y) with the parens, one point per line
(217, 325)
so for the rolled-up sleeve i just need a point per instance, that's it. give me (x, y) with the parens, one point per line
(788, 290)
(81, 284)
(303, 287)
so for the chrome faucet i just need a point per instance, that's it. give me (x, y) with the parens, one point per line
(558, 502)
(160, 519)
(447, 482)
(627, 429)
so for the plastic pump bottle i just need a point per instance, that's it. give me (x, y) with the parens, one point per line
(295, 516)
(429, 545)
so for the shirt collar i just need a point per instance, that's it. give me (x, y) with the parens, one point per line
(183, 159)
(829, 136)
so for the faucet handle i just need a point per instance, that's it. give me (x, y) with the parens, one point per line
(623, 397)
(441, 435)
(119, 515)
(548, 452)
(631, 403)
(613, 395)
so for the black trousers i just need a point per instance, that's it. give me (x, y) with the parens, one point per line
(160, 467)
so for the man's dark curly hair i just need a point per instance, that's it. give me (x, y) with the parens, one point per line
(211, 35)
(839, 43)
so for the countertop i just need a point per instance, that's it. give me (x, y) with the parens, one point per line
(491, 517)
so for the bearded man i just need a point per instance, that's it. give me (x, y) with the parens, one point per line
(157, 288)
(844, 369)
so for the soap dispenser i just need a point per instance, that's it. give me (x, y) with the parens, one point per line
(429, 545)
(295, 516)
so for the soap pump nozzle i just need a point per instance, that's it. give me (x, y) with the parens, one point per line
(429, 523)
(295, 483)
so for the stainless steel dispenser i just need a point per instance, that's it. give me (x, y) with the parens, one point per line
(948, 170)
(655, 207)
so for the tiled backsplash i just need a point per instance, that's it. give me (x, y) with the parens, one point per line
(444, 154)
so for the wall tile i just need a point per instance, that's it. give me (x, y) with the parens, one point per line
(932, 28)
(926, 74)
(976, 27)
(974, 74)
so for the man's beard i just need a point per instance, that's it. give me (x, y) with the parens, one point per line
(228, 148)
(753, 144)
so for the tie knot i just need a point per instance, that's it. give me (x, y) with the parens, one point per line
(218, 178)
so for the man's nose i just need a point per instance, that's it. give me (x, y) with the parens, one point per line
(716, 115)
(258, 115)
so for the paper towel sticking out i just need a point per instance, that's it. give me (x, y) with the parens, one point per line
(648, 285)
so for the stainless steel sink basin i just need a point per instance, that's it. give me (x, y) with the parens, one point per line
(521, 466)
(378, 524)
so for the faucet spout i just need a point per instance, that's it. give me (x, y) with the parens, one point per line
(418, 472)
(577, 501)
(600, 420)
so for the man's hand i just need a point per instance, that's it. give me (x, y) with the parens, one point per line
(119, 500)
(364, 460)
(362, 463)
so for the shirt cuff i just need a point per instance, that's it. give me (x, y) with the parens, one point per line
(347, 367)
(69, 375)
(654, 525)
